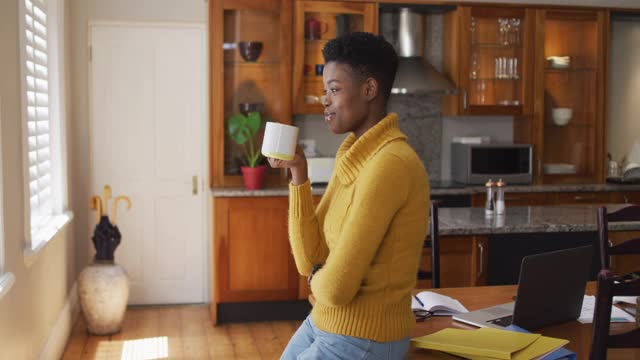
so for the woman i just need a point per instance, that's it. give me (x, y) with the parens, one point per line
(361, 246)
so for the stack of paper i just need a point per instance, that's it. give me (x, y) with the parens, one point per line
(617, 315)
(490, 344)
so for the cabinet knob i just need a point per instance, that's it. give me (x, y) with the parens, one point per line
(194, 184)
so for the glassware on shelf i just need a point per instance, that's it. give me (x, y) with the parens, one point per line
(474, 69)
(473, 28)
(513, 68)
(481, 91)
(506, 68)
(504, 27)
(509, 31)
(515, 30)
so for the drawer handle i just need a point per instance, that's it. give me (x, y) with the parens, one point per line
(583, 198)
(481, 259)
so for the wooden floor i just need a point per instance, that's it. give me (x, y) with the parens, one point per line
(180, 332)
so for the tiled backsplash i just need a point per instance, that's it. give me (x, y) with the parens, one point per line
(419, 118)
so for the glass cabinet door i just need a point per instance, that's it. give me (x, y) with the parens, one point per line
(317, 22)
(494, 60)
(572, 140)
(251, 63)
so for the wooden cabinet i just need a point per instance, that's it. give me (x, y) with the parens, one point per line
(315, 23)
(570, 96)
(593, 198)
(488, 54)
(463, 261)
(554, 83)
(252, 257)
(264, 82)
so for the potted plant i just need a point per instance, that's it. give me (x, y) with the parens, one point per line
(242, 129)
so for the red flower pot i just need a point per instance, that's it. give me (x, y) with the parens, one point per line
(253, 177)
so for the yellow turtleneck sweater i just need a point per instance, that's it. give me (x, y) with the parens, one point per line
(368, 231)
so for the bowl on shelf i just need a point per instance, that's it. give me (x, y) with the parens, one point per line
(559, 62)
(246, 108)
(250, 50)
(561, 116)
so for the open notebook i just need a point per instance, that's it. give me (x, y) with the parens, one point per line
(437, 304)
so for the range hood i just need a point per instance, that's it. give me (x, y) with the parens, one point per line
(405, 29)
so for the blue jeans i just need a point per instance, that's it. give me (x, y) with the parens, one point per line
(309, 342)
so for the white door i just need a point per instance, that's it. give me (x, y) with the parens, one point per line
(148, 141)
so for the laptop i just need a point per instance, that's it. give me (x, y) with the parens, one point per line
(550, 291)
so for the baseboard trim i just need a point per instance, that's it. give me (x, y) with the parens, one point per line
(59, 335)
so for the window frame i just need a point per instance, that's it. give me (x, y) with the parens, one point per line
(7, 279)
(54, 10)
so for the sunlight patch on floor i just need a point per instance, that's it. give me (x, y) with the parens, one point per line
(145, 349)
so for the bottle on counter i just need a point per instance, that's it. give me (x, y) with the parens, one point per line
(489, 206)
(500, 205)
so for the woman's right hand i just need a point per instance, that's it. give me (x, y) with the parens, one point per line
(298, 166)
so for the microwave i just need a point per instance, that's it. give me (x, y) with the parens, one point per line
(477, 163)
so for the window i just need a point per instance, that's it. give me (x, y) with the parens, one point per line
(45, 170)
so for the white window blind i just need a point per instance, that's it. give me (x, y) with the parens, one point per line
(38, 117)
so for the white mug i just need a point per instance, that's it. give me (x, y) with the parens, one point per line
(279, 141)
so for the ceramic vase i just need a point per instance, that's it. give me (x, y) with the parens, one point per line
(104, 291)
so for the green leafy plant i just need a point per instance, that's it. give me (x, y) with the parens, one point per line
(242, 130)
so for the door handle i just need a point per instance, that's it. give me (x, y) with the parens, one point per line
(194, 184)
(481, 259)
(584, 198)
(465, 105)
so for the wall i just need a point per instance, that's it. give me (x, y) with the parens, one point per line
(623, 127)
(30, 309)
(83, 11)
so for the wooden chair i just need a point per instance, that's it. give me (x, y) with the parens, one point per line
(629, 213)
(433, 242)
(609, 286)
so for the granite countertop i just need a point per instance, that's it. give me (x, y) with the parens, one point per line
(530, 219)
(440, 190)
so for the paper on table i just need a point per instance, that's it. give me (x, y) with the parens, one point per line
(437, 303)
(625, 299)
(537, 350)
(498, 344)
(589, 305)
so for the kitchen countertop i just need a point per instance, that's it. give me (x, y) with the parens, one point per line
(530, 219)
(440, 188)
